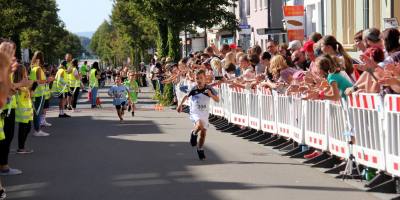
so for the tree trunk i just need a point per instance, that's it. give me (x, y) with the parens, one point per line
(16, 39)
(162, 44)
(173, 42)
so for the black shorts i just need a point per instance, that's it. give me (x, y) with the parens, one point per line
(118, 107)
(46, 104)
(63, 95)
(84, 79)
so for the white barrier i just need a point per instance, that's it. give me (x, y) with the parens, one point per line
(283, 115)
(254, 109)
(297, 120)
(337, 129)
(392, 135)
(239, 112)
(268, 111)
(217, 107)
(366, 121)
(316, 125)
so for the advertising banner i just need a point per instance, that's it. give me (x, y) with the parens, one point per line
(294, 17)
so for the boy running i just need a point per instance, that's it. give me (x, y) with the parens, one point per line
(199, 100)
(133, 87)
(120, 94)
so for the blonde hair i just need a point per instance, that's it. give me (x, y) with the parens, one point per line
(230, 58)
(278, 63)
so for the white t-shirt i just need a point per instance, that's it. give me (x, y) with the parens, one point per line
(199, 100)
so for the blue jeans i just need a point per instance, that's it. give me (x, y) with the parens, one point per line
(161, 86)
(94, 95)
(37, 112)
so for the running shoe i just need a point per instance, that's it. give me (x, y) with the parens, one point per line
(46, 124)
(193, 139)
(133, 114)
(69, 107)
(40, 134)
(64, 116)
(10, 172)
(3, 194)
(24, 151)
(201, 154)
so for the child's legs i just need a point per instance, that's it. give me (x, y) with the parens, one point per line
(23, 131)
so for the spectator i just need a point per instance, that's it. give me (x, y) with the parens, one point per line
(299, 60)
(294, 46)
(272, 47)
(315, 37)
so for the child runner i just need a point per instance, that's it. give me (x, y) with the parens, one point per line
(133, 87)
(199, 101)
(119, 93)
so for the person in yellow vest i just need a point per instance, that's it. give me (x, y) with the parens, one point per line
(47, 96)
(24, 110)
(37, 75)
(68, 58)
(7, 51)
(94, 82)
(62, 88)
(75, 84)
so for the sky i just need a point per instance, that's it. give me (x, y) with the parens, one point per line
(84, 15)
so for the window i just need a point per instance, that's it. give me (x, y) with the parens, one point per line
(248, 7)
(255, 5)
(260, 6)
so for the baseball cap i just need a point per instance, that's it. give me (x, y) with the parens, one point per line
(308, 46)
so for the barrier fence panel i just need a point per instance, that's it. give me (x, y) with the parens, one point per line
(315, 125)
(337, 130)
(365, 119)
(297, 120)
(268, 112)
(254, 109)
(217, 107)
(283, 115)
(392, 135)
(239, 113)
(226, 101)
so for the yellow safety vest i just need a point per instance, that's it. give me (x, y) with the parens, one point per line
(12, 103)
(2, 135)
(41, 88)
(24, 110)
(61, 84)
(94, 82)
(47, 93)
(74, 82)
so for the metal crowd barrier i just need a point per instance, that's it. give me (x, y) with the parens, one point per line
(392, 135)
(267, 111)
(217, 107)
(337, 129)
(297, 120)
(254, 107)
(284, 115)
(316, 125)
(239, 112)
(366, 115)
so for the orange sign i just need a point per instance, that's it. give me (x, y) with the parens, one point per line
(294, 17)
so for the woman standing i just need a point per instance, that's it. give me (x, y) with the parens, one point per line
(94, 82)
(37, 75)
(24, 111)
(75, 81)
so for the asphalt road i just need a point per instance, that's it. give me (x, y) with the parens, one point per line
(93, 156)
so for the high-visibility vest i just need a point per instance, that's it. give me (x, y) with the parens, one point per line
(24, 110)
(47, 92)
(2, 135)
(61, 84)
(12, 102)
(74, 82)
(93, 81)
(68, 75)
(41, 88)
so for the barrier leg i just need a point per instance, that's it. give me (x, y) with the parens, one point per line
(289, 147)
(212, 118)
(231, 129)
(336, 170)
(225, 126)
(218, 121)
(262, 136)
(319, 158)
(301, 154)
(247, 133)
(254, 135)
(380, 178)
(289, 142)
(294, 151)
(327, 163)
(269, 139)
(240, 131)
(276, 142)
(222, 124)
(388, 186)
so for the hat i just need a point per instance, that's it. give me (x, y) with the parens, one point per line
(308, 46)
(233, 46)
(294, 45)
(372, 34)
